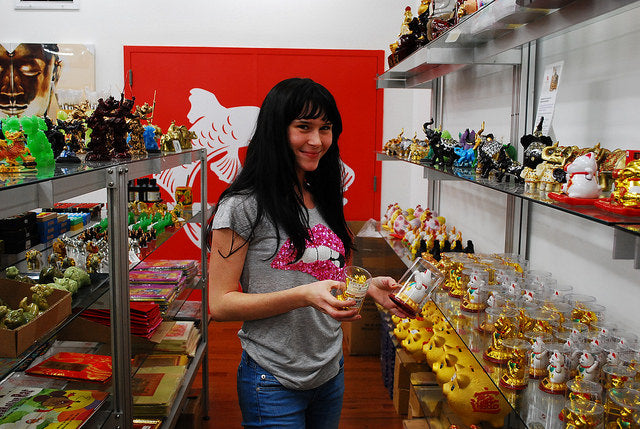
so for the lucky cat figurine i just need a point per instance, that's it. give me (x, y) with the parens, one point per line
(582, 177)
(556, 381)
(539, 358)
(588, 367)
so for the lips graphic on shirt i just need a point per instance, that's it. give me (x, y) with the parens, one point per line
(323, 257)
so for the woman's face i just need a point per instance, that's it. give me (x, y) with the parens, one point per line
(309, 139)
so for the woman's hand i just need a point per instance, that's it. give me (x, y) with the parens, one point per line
(319, 295)
(379, 290)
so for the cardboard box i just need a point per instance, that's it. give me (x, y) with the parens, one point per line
(21, 220)
(191, 416)
(15, 341)
(415, 424)
(376, 256)
(362, 337)
(405, 365)
(424, 394)
(401, 401)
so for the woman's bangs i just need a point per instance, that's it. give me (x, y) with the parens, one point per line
(313, 110)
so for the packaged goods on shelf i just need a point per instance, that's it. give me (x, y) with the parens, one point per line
(189, 267)
(161, 287)
(164, 359)
(145, 317)
(182, 337)
(74, 366)
(24, 405)
(154, 390)
(19, 232)
(15, 341)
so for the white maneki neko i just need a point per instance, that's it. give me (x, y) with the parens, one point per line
(558, 374)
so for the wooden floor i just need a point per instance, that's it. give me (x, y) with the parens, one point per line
(366, 401)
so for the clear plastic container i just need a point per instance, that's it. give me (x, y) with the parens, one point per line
(585, 389)
(417, 284)
(357, 281)
(622, 407)
(580, 413)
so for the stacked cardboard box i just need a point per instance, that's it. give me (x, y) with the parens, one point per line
(425, 395)
(405, 365)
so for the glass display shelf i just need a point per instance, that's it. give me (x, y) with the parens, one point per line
(430, 396)
(494, 35)
(83, 299)
(43, 187)
(475, 341)
(591, 213)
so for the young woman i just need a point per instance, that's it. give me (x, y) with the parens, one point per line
(279, 232)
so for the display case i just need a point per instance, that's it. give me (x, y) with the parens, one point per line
(505, 33)
(109, 290)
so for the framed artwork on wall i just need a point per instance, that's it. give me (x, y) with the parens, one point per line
(47, 4)
(41, 78)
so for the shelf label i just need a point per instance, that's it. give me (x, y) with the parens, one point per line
(452, 36)
(548, 94)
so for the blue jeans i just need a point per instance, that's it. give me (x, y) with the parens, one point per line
(266, 403)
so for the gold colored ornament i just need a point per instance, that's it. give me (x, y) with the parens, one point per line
(504, 328)
(33, 259)
(627, 186)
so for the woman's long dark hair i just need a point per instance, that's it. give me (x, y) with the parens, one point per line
(269, 171)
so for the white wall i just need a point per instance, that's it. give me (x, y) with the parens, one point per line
(109, 25)
(597, 101)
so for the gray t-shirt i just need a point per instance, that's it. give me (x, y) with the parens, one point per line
(301, 348)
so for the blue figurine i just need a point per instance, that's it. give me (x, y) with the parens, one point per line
(150, 142)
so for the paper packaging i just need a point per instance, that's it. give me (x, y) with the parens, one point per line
(362, 337)
(15, 341)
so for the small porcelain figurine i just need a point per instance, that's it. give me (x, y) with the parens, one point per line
(625, 198)
(474, 300)
(68, 156)
(582, 177)
(588, 367)
(558, 374)
(539, 358)
(34, 259)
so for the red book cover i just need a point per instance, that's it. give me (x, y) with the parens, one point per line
(79, 366)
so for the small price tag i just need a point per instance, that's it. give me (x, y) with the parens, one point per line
(176, 146)
(452, 36)
(133, 258)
